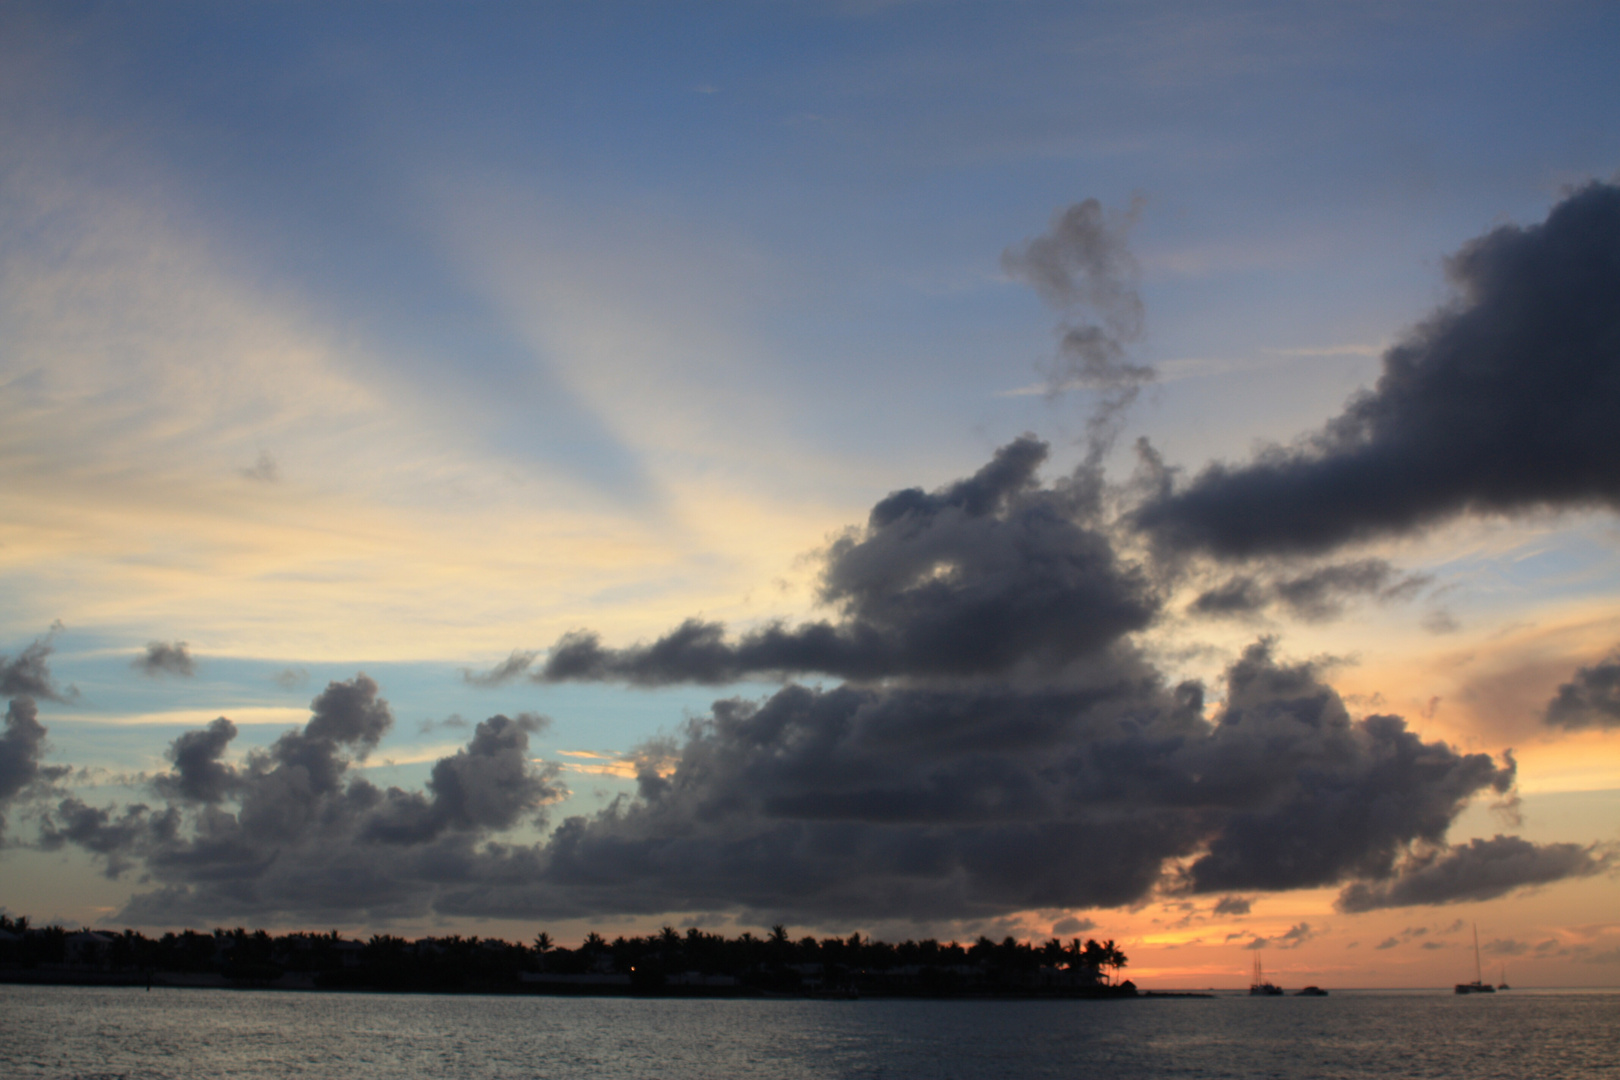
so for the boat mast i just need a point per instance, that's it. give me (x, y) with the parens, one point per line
(1479, 976)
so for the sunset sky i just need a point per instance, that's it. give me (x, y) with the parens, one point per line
(934, 469)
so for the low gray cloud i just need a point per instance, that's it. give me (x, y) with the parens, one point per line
(1502, 401)
(1232, 905)
(986, 576)
(1478, 870)
(165, 658)
(1316, 595)
(1591, 699)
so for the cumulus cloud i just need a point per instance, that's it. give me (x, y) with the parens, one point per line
(1357, 792)
(1478, 870)
(1502, 401)
(925, 802)
(165, 658)
(199, 775)
(22, 746)
(985, 576)
(1590, 699)
(21, 749)
(981, 799)
(294, 832)
(1000, 745)
(28, 674)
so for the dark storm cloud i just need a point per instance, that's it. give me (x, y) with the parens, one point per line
(1000, 746)
(1590, 699)
(978, 800)
(1240, 595)
(1355, 793)
(28, 674)
(1083, 267)
(1501, 402)
(199, 775)
(969, 800)
(489, 785)
(165, 658)
(987, 575)
(118, 836)
(295, 832)
(21, 749)
(1478, 870)
(1314, 596)
(349, 713)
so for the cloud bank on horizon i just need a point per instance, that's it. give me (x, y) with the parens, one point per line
(1001, 740)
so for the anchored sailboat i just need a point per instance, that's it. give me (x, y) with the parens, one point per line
(1479, 985)
(1259, 987)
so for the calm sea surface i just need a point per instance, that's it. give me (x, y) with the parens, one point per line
(99, 1034)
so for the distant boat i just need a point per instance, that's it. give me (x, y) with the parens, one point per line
(1312, 991)
(1503, 984)
(1261, 988)
(1479, 985)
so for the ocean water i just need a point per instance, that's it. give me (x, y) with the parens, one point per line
(101, 1034)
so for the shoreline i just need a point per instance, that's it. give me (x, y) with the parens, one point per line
(299, 982)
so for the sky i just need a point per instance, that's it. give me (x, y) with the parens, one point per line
(930, 469)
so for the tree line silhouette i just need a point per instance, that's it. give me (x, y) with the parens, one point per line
(695, 962)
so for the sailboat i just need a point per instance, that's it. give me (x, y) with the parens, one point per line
(1479, 985)
(1503, 984)
(1261, 988)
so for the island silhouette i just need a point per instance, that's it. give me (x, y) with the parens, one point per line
(695, 963)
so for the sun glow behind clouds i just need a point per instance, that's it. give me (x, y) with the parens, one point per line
(358, 358)
(151, 386)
